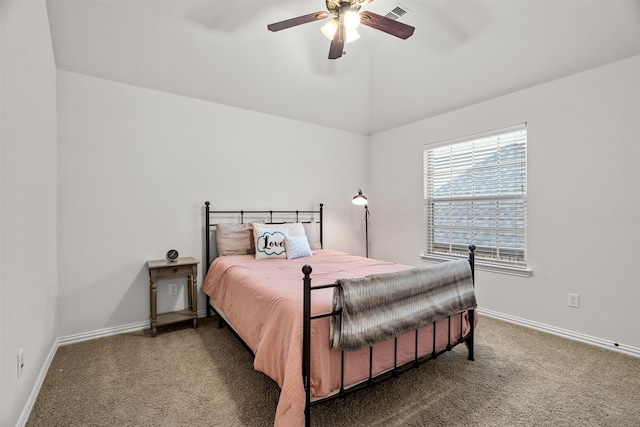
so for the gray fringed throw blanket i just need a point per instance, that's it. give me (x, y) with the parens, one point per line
(383, 306)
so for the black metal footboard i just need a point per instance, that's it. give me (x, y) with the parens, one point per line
(397, 369)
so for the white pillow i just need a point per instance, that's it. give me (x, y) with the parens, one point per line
(297, 247)
(269, 243)
(312, 231)
(294, 228)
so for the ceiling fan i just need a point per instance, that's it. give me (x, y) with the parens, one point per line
(345, 19)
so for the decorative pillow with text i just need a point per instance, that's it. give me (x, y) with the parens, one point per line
(269, 243)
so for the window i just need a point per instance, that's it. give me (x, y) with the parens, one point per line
(475, 192)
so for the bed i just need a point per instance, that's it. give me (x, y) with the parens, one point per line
(296, 331)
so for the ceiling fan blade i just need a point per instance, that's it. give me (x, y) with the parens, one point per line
(288, 23)
(337, 44)
(387, 25)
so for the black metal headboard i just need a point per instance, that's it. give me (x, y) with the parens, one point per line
(268, 217)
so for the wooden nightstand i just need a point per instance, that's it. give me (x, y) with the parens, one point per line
(162, 269)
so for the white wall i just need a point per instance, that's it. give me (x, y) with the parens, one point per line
(28, 272)
(583, 200)
(136, 166)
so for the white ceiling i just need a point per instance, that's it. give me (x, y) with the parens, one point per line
(462, 52)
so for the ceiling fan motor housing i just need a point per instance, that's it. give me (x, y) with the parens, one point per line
(342, 6)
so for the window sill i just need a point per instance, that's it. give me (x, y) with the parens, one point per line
(483, 265)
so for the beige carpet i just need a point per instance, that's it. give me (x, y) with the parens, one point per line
(204, 377)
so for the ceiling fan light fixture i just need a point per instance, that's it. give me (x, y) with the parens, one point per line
(329, 29)
(351, 20)
(351, 36)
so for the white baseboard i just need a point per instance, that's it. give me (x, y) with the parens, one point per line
(24, 416)
(100, 333)
(576, 336)
(106, 332)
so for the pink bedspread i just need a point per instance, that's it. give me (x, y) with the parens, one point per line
(262, 299)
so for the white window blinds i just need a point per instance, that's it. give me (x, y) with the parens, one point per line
(475, 192)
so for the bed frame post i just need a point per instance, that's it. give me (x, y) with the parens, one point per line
(472, 313)
(306, 342)
(207, 244)
(321, 222)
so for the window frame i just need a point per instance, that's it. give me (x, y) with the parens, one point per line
(517, 267)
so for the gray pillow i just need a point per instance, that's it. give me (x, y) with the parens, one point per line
(235, 239)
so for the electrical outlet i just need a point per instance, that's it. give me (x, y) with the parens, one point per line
(173, 289)
(574, 300)
(20, 362)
